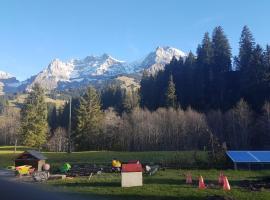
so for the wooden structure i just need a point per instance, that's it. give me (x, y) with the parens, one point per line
(131, 175)
(31, 157)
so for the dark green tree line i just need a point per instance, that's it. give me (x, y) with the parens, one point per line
(208, 81)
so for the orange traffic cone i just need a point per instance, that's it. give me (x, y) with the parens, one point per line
(201, 183)
(188, 178)
(221, 178)
(226, 184)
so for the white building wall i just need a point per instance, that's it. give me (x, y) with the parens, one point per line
(131, 179)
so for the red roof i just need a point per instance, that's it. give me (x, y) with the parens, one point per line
(132, 167)
(134, 161)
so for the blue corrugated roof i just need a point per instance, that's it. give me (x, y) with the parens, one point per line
(249, 156)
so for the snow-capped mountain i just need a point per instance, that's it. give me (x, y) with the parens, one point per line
(8, 83)
(48, 78)
(156, 61)
(91, 69)
(5, 75)
(96, 66)
(75, 70)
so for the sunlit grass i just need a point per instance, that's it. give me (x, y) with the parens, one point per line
(168, 184)
(179, 158)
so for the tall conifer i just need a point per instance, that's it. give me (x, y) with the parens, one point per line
(34, 125)
(89, 121)
(171, 99)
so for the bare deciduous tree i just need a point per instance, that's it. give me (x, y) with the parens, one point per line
(59, 140)
(239, 126)
(9, 126)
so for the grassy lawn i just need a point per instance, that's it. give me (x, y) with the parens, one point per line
(168, 184)
(183, 159)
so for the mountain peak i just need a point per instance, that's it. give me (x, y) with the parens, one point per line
(56, 60)
(94, 69)
(59, 68)
(156, 61)
(106, 56)
(170, 50)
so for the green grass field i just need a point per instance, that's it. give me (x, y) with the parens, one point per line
(167, 184)
(183, 159)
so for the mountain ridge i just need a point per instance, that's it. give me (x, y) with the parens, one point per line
(76, 72)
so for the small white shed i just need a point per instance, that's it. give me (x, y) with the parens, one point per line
(132, 175)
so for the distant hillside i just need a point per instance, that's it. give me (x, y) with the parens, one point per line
(19, 100)
(128, 83)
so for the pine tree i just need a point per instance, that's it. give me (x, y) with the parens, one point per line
(185, 82)
(267, 60)
(171, 99)
(130, 100)
(149, 91)
(89, 118)
(34, 125)
(257, 61)
(205, 51)
(221, 65)
(221, 51)
(63, 116)
(247, 45)
(204, 73)
(245, 63)
(112, 96)
(52, 116)
(256, 79)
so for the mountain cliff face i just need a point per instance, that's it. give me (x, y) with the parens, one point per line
(74, 71)
(77, 72)
(156, 61)
(8, 83)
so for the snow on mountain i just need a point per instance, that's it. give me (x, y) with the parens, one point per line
(156, 61)
(50, 76)
(8, 83)
(5, 75)
(77, 72)
(93, 66)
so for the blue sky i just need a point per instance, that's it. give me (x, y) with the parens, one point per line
(33, 32)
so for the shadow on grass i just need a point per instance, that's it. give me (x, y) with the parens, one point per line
(149, 182)
(140, 197)
(90, 184)
(253, 185)
(124, 196)
(156, 181)
(166, 181)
